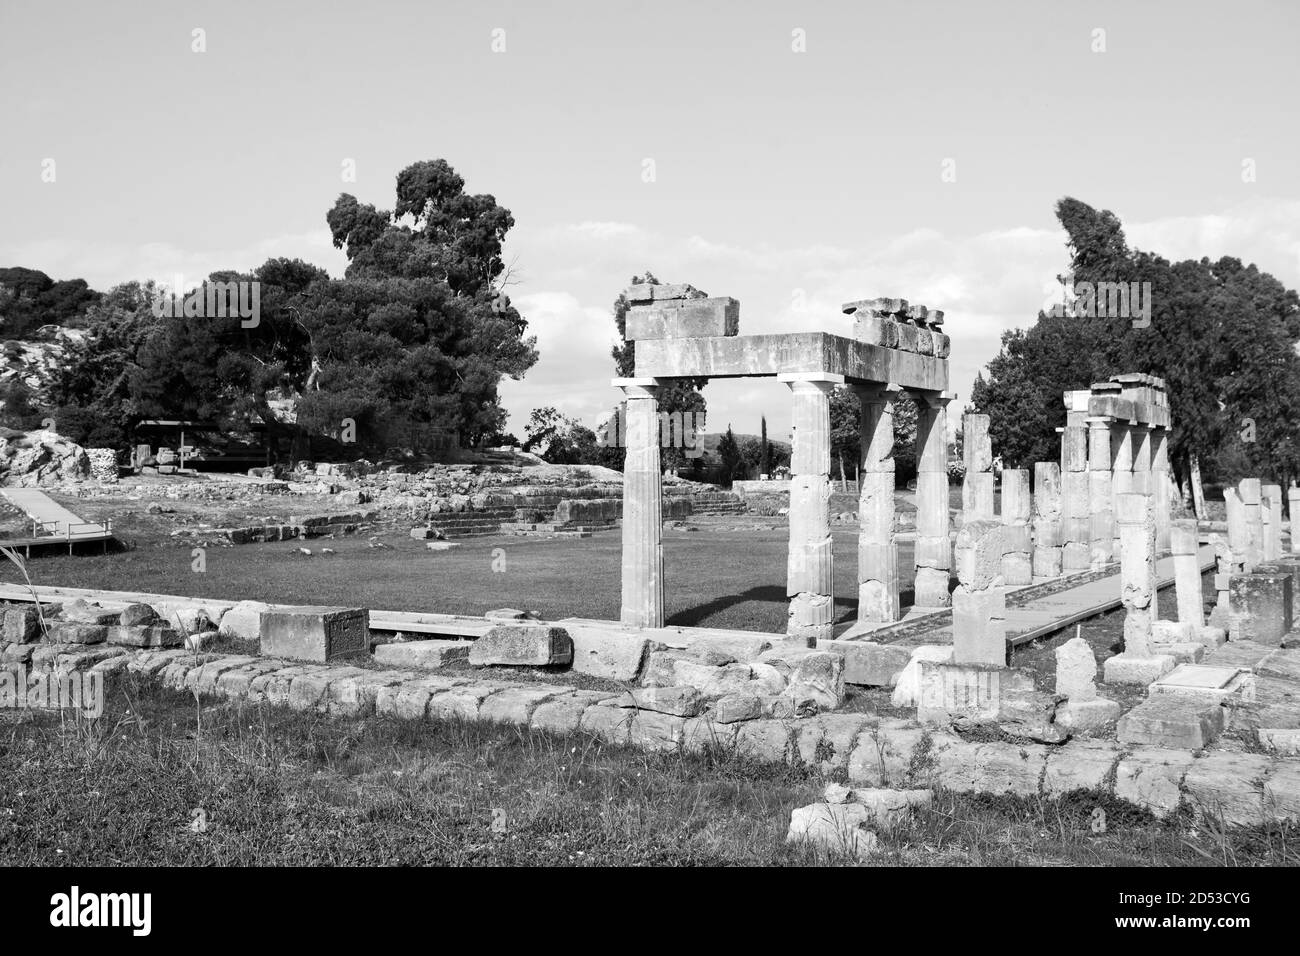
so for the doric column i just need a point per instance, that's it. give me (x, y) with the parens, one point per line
(1121, 467)
(809, 564)
(933, 547)
(1018, 543)
(1251, 497)
(1161, 486)
(1047, 520)
(1187, 573)
(1101, 492)
(977, 491)
(1077, 555)
(1142, 447)
(877, 548)
(643, 553)
(1271, 511)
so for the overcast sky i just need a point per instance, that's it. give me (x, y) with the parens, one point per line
(799, 149)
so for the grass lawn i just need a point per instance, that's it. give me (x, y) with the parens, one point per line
(276, 787)
(714, 578)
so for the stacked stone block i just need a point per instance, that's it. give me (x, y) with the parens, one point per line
(1018, 557)
(977, 488)
(1101, 515)
(895, 324)
(1047, 520)
(933, 547)
(1077, 553)
(979, 609)
(809, 567)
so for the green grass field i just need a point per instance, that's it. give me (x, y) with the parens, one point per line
(714, 578)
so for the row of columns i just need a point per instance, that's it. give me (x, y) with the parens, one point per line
(810, 563)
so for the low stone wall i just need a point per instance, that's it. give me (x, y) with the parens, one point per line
(298, 526)
(1238, 788)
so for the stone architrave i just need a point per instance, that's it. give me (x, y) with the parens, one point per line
(877, 548)
(933, 546)
(1047, 520)
(643, 553)
(1137, 529)
(809, 566)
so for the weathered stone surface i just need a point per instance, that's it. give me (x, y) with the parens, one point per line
(68, 632)
(897, 753)
(683, 319)
(834, 828)
(1282, 788)
(1169, 720)
(767, 740)
(1206, 682)
(907, 690)
(523, 645)
(978, 554)
(869, 664)
(1228, 786)
(22, 624)
(315, 633)
(979, 628)
(1076, 670)
(1080, 765)
(826, 741)
(818, 676)
(137, 615)
(144, 635)
(515, 705)
(426, 654)
(890, 808)
(1129, 668)
(1153, 778)
(729, 710)
(461, 702)
(1087, 716)
(995, 768)
(244, 620)
(613, 654)
(563, 715)
(1259, 607)
(682, 701)
(358, 694)
(81, 612)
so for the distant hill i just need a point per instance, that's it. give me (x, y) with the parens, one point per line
(29, 299)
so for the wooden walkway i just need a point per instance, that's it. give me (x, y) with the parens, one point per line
(1035, 619)
(51, 522)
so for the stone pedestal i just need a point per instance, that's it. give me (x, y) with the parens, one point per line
(643, 555)
(877, 548)
(933, 547)
(1252, 499)
(1137, 530)
(1293, 513)
(979, 607)
(1260, 607)
(809, 568)
(1047, 520)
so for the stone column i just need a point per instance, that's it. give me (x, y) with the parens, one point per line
(933, 547)
(1101, 517)
(1271, 500)
(1138, 664)
(809, 567)
(1077, 555)
(1161, 486)
(1251, 498)
(643, 553)
(1230, 556)
(1187, 573)
(877, 547)
(977, 484)
(1140, 483)
(1293, 513)
(1018, 554)
(979, 605)
(1121, 458)
(1047, 520)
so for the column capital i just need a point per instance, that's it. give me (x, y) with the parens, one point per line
(1100, 421)
(878, 391)
(637, 387)
(933, 399)
(823, 380)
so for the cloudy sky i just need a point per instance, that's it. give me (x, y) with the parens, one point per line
(793, 155)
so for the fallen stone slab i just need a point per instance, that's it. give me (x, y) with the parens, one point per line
(563, 715)
(868, 664)
(429, 654)
(82, 612)
(1087, 716)
(22, 625)
(515, 705)
(315, 633)
(889, 808)
(523, 645)
(1152, 778)
(907, 690)
(68, 632)
(144, 635)
(613, 654)
(738, 707)
(684, 701)
(138, 615)
(1080, 765)
(244, 620)
(835, 828)
(1171, 721)
(1206, 682)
